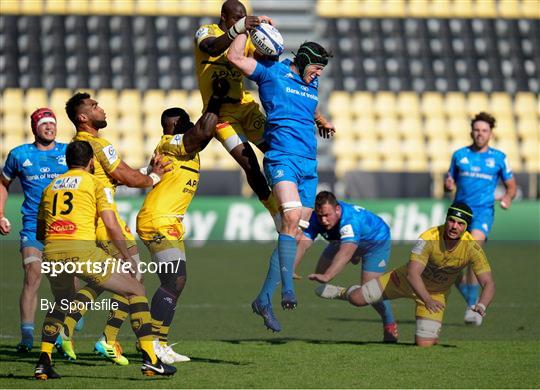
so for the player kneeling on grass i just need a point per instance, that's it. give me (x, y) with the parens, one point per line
(436, 261)
(159, 222)
(68, 213)
(354, 234)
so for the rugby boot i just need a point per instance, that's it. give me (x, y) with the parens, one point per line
(266, 312)
(44, 370)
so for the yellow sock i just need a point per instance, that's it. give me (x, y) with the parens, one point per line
(47, 348)
(148, 347)
(271, 205)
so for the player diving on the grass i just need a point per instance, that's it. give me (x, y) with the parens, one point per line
(435, 263)
(354, 235)
(289, 93)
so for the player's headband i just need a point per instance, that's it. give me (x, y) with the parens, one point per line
(461, 212)
(310, 53)
(41, 116)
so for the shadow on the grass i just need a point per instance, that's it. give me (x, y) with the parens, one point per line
(378, 321)
(31, 378)
(285, 340)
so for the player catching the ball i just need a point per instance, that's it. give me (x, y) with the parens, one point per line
(289, 94)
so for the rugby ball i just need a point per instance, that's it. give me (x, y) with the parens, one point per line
(267, 40)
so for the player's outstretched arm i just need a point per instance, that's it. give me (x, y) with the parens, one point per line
(134, 178)
(325, 127)
(340, 260)
(196, 138)
(509, 195)
(5, 225)
(236, 56)
(414, 277)
(215, 46)
(303, 245)
(488, 292)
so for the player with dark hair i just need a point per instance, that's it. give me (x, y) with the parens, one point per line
(354, 235)
(475, 171)
(89, 118)
(159, 222)
(67, 225)
(436, 262)
(35, 165)
(240, 119)
(289, 93)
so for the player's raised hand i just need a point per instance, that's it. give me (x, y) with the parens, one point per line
(449, 183)
(434, 306)
(319, 278)
(325, 127)
(5, 226)
(266, 19)
(251, 22)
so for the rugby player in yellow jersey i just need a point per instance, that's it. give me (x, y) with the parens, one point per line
(68, 215)
(436, 262)
(89, 118)
(159, 222)
(241, 120)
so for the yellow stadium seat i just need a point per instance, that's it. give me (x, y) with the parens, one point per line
(131, 126)
(177, 7)
(76, 7)
(509, 9)
(458, 127)
(526, 104)
(369, 8)
(370, 163)
(501, 104)
(344, 148)
(146, 7)
(438, 147)
(213, 7)
(505, 127)
(10, 6)
(390, 148)
(55, 7)
(528, 129)
(408, 104)
(530, 150)
(327, 8)
(393, 9)
(194, 105)
(35, 98)
(108, 100)
(339, 104)
(417, 164)
(14, 123)
(100, 7)
(387, 127)
(477, 102)
(440, 8)
(226, 162)
(12, 101)
(344, 128)
(366, 148)
(462, 8)
(154, 101)
(385, 104)
(393, 164)
(530, 9)
(123, 7)
(485, 8)
(439, 166)
(152, 126)
(435, 128)
(364, 128)
(411, 128)
(531, 166)
(432, 104)
(455, 104)
(362, 104)
(57, 102)
(418, 8)
(151, 141)
(132, 152)
(129, 101)
(32, 7)
(11, 140)
(176, 98)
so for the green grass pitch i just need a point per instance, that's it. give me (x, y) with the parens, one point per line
(324, 344)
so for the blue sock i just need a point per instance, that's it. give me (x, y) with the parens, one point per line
(27, 333)
(287, 253)
(80, 324)
(474, 292)
(385, 311)
(273, 279)
(463, 288)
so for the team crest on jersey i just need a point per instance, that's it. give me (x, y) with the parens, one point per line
(62, 227)
(490, 162)
(201, 32)
(110, 153)
(67, 183)
(173, 232)
(346, 231)
(279, 173)
(61, 160)
(177, 139)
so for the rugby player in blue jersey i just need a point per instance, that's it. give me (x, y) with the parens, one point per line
(474, 173)
(36, 165)
(289, 94)
(354, 234)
